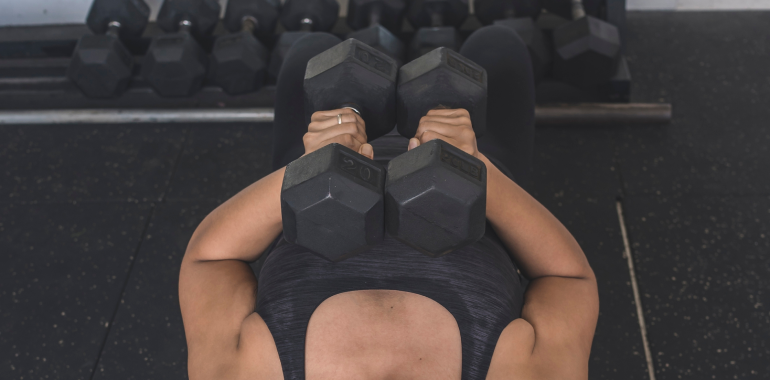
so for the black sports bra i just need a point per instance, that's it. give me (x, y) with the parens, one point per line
(479, 285)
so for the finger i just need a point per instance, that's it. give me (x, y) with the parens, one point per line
(343, 119)
(413, 143)
(448, 111)
(342, 129)
(442, 128)
(367, 151)
(454, 120)
(346, 140)
(462, 144)
(320, 125)
(323, 115)
(433, 135)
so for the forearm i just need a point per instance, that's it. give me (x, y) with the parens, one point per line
(539, 243)
(244, 226)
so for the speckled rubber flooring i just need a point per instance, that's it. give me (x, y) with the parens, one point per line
(94, 219)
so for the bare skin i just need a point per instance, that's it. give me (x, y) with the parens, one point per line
(385, 334)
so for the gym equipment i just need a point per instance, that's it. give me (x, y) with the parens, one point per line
(587, 49)
(442, 78)
(175, 64)
(332, 199)
(519, 15)
(300, 17)
(239, 60)
(437, 21)
(435, 194)
(563, 8)
(315, 15)
(571, 114)
(373, 21)
(101, 65)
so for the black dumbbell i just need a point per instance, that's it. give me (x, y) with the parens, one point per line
(300, 17)
(563, 8)
(519, 15)
(435, 194)
(374, 22)
(437, 21)
(332, 199)
(101, 66)
(239, 60)
(587, 49)
(175, 64)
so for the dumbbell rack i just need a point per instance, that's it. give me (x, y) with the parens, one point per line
(33, 61)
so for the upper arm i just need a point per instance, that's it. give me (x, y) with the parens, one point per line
(215, 297)
(563, 313)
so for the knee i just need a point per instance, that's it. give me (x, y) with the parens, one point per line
(310, 45)
(497, 39)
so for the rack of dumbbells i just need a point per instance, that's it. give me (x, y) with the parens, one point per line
(189, 60)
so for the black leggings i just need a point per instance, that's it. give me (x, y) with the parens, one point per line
(510, 101)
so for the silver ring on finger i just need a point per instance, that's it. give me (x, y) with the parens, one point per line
(339, 119)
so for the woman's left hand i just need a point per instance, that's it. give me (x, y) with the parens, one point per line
(451, 125)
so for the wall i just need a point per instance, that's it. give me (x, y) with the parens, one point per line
(698, 5)
(31, 12)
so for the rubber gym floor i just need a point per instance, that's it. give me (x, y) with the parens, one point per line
(94, 220)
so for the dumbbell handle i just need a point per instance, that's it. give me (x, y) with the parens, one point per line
(185, 26)
(375, 14)
(436, 19)
(249, 24)
(578, 11)
(306, 24)
(113, 29)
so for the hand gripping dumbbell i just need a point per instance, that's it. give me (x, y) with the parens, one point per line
(435, 194)
(239, 60)
(375, 21)
(101, 66)
(175, 64)
(519, 15)
(332, 198)
(437, 21)
(587, 49)
(300, 17)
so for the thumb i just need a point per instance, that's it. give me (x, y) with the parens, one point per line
(366, 150)
(413, 143)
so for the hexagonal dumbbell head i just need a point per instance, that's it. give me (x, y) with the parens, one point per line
(587, 51)
(239, 63)
(422, 13)
(175, 65)
(428, 39)
(534, 39)
(487, 11)
(365, 13)
(265, 12)
(331, 202)
(101, 66)
(380, 38)
(203, 15)
(441, 79)
(356, 75)
(435, 198)
(132, 15)
(317, 15)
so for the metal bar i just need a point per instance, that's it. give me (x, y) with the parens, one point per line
(603, 113)
(123, 116)
(562, 114)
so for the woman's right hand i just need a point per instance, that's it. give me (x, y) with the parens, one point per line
(325, 129)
